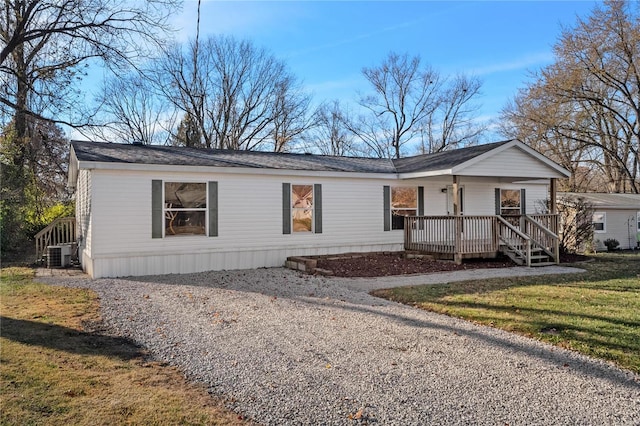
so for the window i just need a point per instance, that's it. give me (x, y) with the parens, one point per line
(302, 208)
(510, 202)
(404, 202)
(185, 208)
(599, 219)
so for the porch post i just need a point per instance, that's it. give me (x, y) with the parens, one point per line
(456, 199)
(553, 192)
(457, 256)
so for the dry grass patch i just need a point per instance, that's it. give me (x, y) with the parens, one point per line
(596, 313)
(55, 372)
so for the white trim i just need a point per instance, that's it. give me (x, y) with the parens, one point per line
(74, 168)
(199, 209)
(391, 208)
(229, 170)
(604, 222)
(293, 209)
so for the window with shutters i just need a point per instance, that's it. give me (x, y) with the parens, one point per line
(302, 207)
(185, 208)
(510, 202)
(404, 202)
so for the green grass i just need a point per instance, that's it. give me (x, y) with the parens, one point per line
(54, 372)
(596, 313)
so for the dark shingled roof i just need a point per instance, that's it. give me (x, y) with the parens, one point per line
(170, 155)
(442, 160)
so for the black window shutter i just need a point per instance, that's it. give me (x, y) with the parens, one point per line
(421, 201)
(498, 203)
(212, 206)
(156, 209)
(317, 201)
(286, 208)
(386, 206)
(523, 202)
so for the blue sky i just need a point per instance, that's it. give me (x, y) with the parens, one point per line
(326, 44)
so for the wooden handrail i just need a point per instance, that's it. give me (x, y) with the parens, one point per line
(524, 239)
(60, 231)
(551, 244)
(512, 228)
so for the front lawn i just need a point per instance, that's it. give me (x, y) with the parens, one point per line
(53, 372)
(596, 313)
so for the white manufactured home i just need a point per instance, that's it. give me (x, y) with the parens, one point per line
(157, 209)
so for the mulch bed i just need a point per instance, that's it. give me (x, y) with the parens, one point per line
(386, 264)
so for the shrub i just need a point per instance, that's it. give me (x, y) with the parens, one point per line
(611, 243)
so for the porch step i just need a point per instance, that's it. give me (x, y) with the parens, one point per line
(542, 264)
(536, 259)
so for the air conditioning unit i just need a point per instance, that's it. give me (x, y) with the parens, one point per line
(58, 256)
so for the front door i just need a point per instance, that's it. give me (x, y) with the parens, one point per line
(450, 200)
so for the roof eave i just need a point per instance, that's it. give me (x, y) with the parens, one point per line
(74, 167)
(158, 168)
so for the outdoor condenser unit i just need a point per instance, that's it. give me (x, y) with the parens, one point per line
(58, 256)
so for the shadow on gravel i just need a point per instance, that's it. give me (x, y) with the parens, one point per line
(67, 339)
(371, 305)
(557, 356)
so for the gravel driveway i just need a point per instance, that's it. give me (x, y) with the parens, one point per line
(289, 349)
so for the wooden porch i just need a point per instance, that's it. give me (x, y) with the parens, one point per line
(530, 240)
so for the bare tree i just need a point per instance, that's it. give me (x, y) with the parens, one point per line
(239, 96)
(290, 115)
(131, 111)
(187, 133)
(453, 124)
(47, 44)
(587, 103)
(576, 234)
(404, 95)
(412, 103)
(330, 134)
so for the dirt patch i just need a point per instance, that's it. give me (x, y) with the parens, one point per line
(385, 264)
(397, 263)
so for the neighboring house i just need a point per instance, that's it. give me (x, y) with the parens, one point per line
(615, 216)
(158, 209)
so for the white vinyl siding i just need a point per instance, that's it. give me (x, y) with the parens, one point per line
(83, 213)
(511, 162)
(620, 225)
(250, 220)
(250, 229)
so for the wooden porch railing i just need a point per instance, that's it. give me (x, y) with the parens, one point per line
(481, 235)
(60, 231)
(549, 221)
(457, 235)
